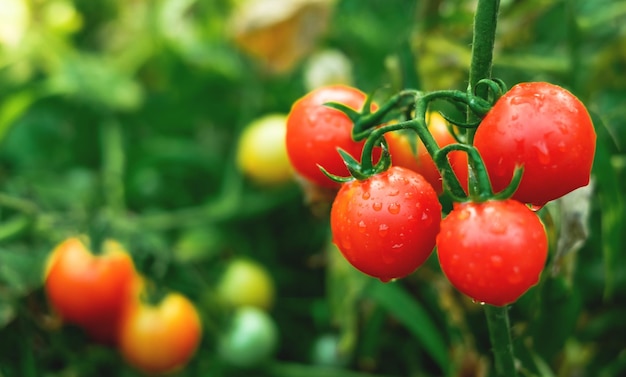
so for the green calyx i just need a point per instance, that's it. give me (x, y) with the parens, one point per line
(479, 185)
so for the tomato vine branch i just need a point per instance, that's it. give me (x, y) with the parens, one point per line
(485, 22)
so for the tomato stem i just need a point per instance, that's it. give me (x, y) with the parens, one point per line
(113, 164)
(485, 22)
(500, 336)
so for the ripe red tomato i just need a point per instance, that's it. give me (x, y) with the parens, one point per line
(546, 129)
(386, 225)
(89, 290)
(493, 251)
(418, 159)
(159, 338)
(315, 131)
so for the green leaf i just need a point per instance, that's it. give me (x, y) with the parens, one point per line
(20, 270)
(613, 207)
(11, 109)
(404, 308)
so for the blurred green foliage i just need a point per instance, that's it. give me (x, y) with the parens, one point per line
(119, 119)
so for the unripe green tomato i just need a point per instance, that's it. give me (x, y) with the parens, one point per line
(246, 283)
(250, 338)
(327, 351)
(262, 153)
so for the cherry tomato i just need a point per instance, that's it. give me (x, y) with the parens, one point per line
(315, 131)
(89, 290)
(492, 251)
(246, 283)
(159, 338)
(408, 151)
(546, 129)
(250, 338)
(386, 225)
(261, 151)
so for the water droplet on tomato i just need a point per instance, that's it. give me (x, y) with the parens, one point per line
(383, 229)
(397, 246)
(393, 192)
(377, 206)
(427, 220)
(498, 226)
(518, 100)
(496, 261)
(408, 195)
(366, 195)
(514, 117)
(478, 302)
(362, 226)
(543, 154)
(394, 208)
(536, 207)
(515, 277)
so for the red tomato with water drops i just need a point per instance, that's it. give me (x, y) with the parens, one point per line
(546, 129)
(386, 225)
(493, 251)
(315, 131)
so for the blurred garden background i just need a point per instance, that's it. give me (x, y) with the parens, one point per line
(121, 119)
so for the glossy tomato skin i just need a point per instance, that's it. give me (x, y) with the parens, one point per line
(160, 338)
(418, 159)
(386, 225)
(546, 129)
(90, 290)
(493, 251)
(315, 131)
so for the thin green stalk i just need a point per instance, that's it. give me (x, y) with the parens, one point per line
(113, 164)
(485, 22)
(500, 336)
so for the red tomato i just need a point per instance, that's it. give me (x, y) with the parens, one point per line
(89, 290)
(547, 130)
(315, 131)
(493, 251)
(160, 338)
(386, 225)
(418, 159)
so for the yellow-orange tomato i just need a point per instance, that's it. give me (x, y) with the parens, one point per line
(417, 159)
(261, 151)
(246, 283)
(160, 338)
(89, 290)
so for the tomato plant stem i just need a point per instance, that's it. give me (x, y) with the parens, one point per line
(113, 163)
(500, 336)
(485, 21)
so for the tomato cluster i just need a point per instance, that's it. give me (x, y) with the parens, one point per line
(491, 246)
(104, 295)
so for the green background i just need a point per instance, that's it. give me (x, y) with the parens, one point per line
(120, 119)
